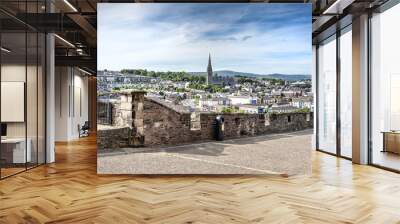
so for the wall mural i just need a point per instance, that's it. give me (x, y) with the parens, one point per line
(204, 88)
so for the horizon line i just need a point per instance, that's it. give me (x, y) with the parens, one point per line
(215, 71)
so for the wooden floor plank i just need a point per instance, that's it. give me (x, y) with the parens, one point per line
(70, 191)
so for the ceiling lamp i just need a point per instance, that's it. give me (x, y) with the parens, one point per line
(64, 40)
(5, 50)
(70, 5)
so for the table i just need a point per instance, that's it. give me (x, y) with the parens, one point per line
(16, 148)
(391, 141)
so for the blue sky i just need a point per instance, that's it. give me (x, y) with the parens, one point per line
(257, 38)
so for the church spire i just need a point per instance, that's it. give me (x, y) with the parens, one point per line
(209, 71)
(209, 67)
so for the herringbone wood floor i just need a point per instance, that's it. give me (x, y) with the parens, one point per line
(70, 191)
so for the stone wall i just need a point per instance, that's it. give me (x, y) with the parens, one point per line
(164, 125)
(112, 137)
(238, 125)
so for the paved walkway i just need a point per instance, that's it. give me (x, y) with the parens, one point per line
(287, 153)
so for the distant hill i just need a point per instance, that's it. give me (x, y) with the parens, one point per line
(289, 77)
(229, 73)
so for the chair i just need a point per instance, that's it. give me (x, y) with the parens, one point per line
(84, 130)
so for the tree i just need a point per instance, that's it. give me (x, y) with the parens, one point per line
(227, 110)
(178, 100)
(303, 110)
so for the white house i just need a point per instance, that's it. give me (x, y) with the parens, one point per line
(252, 109)
(238, 100)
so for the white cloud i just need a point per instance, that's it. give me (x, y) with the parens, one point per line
(129, 37)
